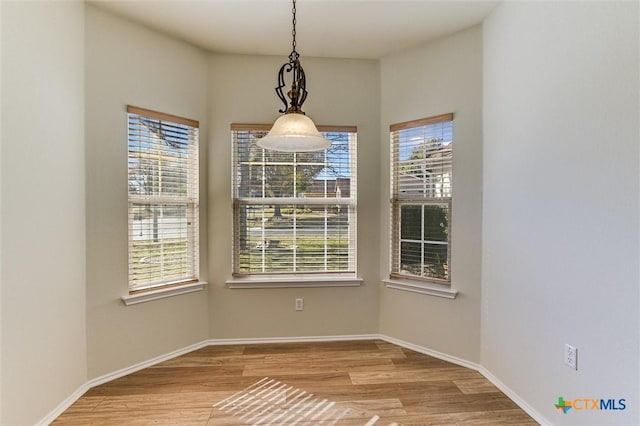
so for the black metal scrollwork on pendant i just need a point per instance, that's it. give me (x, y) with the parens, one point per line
(298, 92)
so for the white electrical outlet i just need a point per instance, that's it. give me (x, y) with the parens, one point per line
(571, 356)
(299, 304)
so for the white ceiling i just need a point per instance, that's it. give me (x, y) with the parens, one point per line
(326, 28)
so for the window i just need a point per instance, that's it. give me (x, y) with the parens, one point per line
(421, 162)
(163, 200)
(294, 213)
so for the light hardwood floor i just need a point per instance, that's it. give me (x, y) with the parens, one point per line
(343, 383)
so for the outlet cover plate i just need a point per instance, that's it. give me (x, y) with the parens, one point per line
(571, 356)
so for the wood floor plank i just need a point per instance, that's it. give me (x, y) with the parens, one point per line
(384, 407)
(337, 356)
(171, 380)
(414, 375)
(319, 366)
(309, 347)
(212, 361)
(424, 420)
(384, 390)
(502, 417)
(298, 384)
(167, 416)
(86, 404)
(159, 401)
(413, 360)
(480, 385)
(217, 350)
(439, 404)
(311, 380)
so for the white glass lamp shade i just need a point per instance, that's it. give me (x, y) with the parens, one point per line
(294, 132)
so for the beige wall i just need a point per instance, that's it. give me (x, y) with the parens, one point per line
(128, 64)
(441, 77)
(43, 346)
(341, 92)
(52, 112)
(1, 221)
(561, 194)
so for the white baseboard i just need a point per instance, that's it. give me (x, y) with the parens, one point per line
(49, 418)
(440, 355)
(535, 414)
(144, 364)
(480, 369)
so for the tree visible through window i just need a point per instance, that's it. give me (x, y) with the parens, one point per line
(294, 212)
(163, 199)
(422, 158)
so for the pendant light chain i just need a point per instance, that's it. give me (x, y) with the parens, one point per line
(294, 55)
(294, 131)
(298, 92)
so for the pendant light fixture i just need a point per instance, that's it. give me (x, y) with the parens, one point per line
(293, 131)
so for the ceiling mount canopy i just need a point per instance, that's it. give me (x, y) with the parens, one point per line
(293, 131)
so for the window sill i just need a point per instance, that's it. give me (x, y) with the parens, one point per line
(422, 288)
(296, 281)
(162, 293)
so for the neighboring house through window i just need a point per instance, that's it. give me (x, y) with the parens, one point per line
(163, 200)
(294, 213)
(421, 169)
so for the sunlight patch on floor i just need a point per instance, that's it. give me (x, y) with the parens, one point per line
(270, 402)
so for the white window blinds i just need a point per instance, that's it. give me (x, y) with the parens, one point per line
(421, 161)
(163, 199)
(294, 212)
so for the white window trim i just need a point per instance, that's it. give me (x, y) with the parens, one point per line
(297, 279)
(162, 293)
(294, 281)
(422, 285)
(414, 286)
(138, 294)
